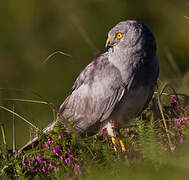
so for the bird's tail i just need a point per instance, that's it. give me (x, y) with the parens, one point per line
(34, 142)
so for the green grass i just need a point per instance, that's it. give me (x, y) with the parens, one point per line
(157, 148)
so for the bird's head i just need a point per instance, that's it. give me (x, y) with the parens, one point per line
(130, 34)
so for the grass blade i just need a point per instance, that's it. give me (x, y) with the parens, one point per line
(3, 134)
(164, 120)
(6, 109)
(28, 100)
(57, 52)
(13, 132)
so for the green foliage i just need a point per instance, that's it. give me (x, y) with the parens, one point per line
(79, 28)
(32, 32)
(63, 154)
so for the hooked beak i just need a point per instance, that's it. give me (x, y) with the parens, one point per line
(108, 43)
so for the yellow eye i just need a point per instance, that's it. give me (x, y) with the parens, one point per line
(119, 35)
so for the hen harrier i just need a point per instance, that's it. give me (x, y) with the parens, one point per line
(116, 86)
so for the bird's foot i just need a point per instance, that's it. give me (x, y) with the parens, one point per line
(114, 143)
(122, 145)
(123, 149)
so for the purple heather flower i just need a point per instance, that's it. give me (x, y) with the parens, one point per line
(77, 165)
(62, 157)
(116, 135)
(106, 139)
(40, 159)
(172, 147)
(181, 139)
(20, 152)
(173, 99)
(51, 165)
(56, 150)
(31, 155)
(128, 131)
(47, 145)
(44, 169)
(49, 141)
(115, 145)
(68, 160)
(183, 120)
(102, 131)
(36, 163)
(19, 179)
(35, 170)
(24, 164)
(59, 137)
(180, 121)
(29, 163)
(78, 168)
(70, 153)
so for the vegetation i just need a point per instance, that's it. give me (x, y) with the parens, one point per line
(156, 142)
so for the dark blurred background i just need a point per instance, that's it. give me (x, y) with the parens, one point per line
(32, 30)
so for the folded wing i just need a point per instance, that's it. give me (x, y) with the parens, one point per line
(94, 95)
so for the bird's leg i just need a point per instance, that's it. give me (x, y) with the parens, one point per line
(122, 145)
(123, 149)
(110, 127)
(115, 135)
(114, 143)
(113, 131)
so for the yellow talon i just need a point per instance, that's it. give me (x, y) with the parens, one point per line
(115, 149)
(121, 143)
(113, 140)
(114, 143)
(122, 146)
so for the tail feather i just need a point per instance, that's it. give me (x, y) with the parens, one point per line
(32, 143)
(35, 141)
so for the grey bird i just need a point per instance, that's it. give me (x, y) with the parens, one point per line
(116, 86)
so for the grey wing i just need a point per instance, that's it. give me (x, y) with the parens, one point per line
(94, 95)
(155, 72)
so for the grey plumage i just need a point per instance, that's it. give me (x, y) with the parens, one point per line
(117, 85)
